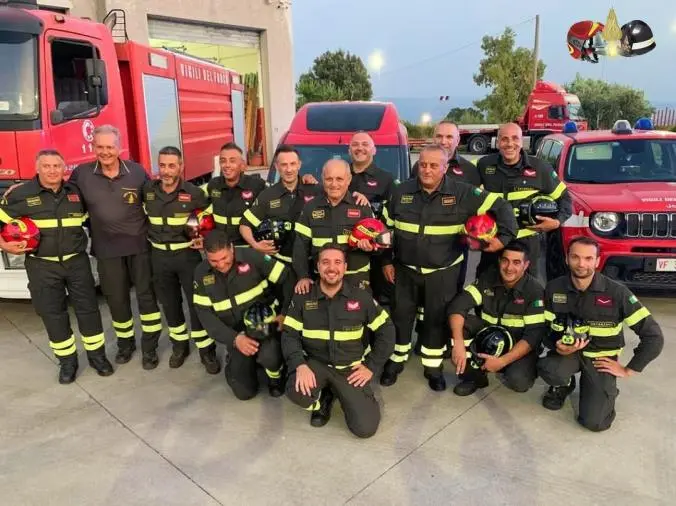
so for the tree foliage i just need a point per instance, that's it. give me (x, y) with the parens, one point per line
(508, 70)
(418, 131)
(335, 75)
(603, 103)
(465, 115)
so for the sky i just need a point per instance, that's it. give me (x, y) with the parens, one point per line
(433, 47)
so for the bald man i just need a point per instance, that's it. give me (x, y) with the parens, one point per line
(330, 218)
(518, 177)
(447, 136)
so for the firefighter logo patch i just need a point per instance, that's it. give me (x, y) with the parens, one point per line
(530, 173)
(33, 201)
(603, 300)
(209, 279)
(184, 197)
(372, 183)
(520, 300)
(311, 304)
(448, 201)
(243, 268)
(406, 199)
(318, 214)
(247, 194)
(352, 305)
(490, 171)
(150, 196)
(458, 171)
(308, 198)
(560, 298)
(274, 204)
(73, 197)
(215, 194)
(129, 196)
(353, 213)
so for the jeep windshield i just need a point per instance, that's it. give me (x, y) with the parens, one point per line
(19, 77)
(622, 161)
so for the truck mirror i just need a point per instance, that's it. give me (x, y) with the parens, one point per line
(56, 117)
(97, 83)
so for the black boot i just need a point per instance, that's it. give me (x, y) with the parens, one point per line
(68, 370)
(390, 373)
(209, 359)
(556, 396)
(150, 360)
(178, 355)
(321, 417)
(469, 386)
(100, 363)
(276, 386)
(435, 379)
(125, 350)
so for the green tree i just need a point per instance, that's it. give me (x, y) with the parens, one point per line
(335, 75)
(465, 115)
(603, 103)
(508, 70)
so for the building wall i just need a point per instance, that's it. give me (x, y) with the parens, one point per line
(276, 40)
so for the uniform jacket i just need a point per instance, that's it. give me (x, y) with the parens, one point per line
(374, 183)
(459, 169)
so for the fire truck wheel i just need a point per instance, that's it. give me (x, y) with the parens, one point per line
(478, 144)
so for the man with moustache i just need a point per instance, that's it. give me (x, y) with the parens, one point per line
(518, 177)
(508, 297)
(324, 347)
(586, 312)
(169, 201)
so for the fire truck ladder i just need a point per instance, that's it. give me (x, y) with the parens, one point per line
(116, 21)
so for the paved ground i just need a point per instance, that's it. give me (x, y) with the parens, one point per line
(180, 437)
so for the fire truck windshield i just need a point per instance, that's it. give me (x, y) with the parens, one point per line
(622, 161)
(574, 112)
(19, 77)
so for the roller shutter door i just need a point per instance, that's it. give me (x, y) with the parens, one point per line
(206, 34)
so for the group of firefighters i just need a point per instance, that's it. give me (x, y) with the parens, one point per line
(310, 300)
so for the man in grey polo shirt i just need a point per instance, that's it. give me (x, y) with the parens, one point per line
(111, 189)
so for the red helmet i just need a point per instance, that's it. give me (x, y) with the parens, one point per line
(480, 229)
(199, 227)
(372, 229)
(585, 41)
(22, 229)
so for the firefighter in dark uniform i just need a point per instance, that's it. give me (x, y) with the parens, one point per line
(509, 297)
(428, 216)
(586, 312)
(119, 228)
(326, 350)
(233, 192)
(376, 185)
(169, 202)
(330, 218)
(282, 201)
(517, 177)
(226, 284)
(59, 264)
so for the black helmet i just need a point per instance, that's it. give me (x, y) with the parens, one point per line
(540, 205)
(273, 230)
(493, 340)
(637, 38)
(258, 321)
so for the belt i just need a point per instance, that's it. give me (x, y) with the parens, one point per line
(56, 259)
(171, 246)
(429, 270)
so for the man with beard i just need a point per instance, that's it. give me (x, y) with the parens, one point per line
(325, 348)
(518, 177)
(586, 311)
(508, 297)
(169, 202)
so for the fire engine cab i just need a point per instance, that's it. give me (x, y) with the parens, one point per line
(623, 186)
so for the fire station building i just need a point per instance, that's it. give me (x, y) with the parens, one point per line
(251, 37)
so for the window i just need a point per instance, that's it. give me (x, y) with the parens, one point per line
(344, 117)
(555, 154)
(71, 90)
(556, 112)
(543, 151)
(19, 77)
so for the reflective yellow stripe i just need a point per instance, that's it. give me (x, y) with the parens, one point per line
(386, 215)
(276, 272)
(179, 337)
(366, 268)
(273, 374)
(549, 316)
(348, 335)
(204, 343)
(150, 317)
(488, 202)
(202, 300)
(475, 293)
(512, 321)
(127, 334)
(318, 242)
(92, 343)
(429, 270)
(303, 230)
(283, 258)
(57, 259)
(123, 325)
(52, 223)
(4, 217)
(488, 318)
(177, 221)
(532, 319)
(432, 352)
(605, 331)
(221, 220)
(155, 220)
(252, 218)
(520, 195)
(399, 358)
(178, 330)
(432, 362)
(71, 222)
(235, 220)
(348, 366)
(171, 246)
(151, 328)
(292, 323)
(605, 353)
(316, 334)
(63, 344)
(379, 321)
(198, 334)
(406, 227)
(558, 191)
(342, 239)
(525, 232)
(403, 348)
(241, 298)
(443, 229)
(637, 316)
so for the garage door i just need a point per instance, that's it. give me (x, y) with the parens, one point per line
(206, 34)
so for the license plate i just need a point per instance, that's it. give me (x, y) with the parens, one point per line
(666, 265)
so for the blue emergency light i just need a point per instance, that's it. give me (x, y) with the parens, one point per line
(644, 124)
(570, 127)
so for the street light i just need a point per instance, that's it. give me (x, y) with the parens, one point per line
(426, 118)
(376, 61)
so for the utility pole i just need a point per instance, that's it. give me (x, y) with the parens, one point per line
(536, 51)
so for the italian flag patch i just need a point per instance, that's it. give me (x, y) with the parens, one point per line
(538, 303)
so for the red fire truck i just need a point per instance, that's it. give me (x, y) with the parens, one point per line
(63, 76)
(548, 108)
(623, 185)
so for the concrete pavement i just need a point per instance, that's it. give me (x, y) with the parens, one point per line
(180, 437)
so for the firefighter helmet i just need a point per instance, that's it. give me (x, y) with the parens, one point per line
(540, 205)
(22, 229)
(372, 230)
(479, 230)
(493, 340)
(585, 41)
(637, 38)
(258, 320)
(278, 231)
(199, 226)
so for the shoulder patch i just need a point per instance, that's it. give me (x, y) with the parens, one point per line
(554, 174)
(267, 258)
(538, 303)
(633, 299)
(476, 191)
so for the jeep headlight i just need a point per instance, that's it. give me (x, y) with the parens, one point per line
(605, 222)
